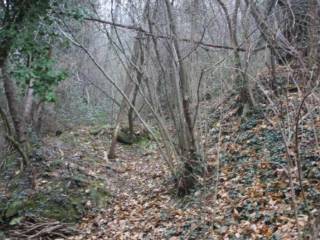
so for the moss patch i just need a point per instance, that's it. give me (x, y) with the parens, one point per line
(60, 203)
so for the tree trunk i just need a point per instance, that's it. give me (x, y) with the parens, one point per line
(123, 110)
(112, 149)
(15, 112)
(37, 117)
(27, 114)
(187, 143)
(135, 92)
(13, 104)
(240, 76)
(5, 120)
(314, 41)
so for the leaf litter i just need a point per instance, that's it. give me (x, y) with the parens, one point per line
(253, 200)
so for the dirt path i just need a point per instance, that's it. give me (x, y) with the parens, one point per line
(141, 199)
(142, 206)
(132, 197)
(139, 193)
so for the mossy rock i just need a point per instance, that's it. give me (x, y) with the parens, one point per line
(56, 205)
(59, 203)
(71, 211)
(62, 198)
(2, 236)
(98, 130)
(126, 137)
(99, 196)
(65, 208)
(13, 208)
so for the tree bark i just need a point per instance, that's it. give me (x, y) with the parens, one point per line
(27, 114)
(14, 106)
(121, 115)
(314, 40)
(11, 139)
(15, 112)
(37, 117)
(240, 76)
(123, 110)
(135, 92)
(188, 149)
(5, 120)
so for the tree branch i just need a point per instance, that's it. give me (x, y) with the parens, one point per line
(147, 33)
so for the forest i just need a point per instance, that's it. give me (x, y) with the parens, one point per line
(159, 119)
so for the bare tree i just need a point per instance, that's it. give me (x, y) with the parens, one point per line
(241, 79)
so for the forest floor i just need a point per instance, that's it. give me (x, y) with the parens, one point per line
(253, 200)
(133, 196)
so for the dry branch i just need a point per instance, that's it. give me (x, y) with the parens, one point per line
(147, 33)
(42, 229)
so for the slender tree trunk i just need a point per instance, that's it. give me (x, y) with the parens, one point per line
(123, 110)
(314, 40)
(121, 115)
(19, 140)
(12, 140)
(37, 117)
(13, 104)
(195, 35)
(20, 129)
(135, 92)
(187, 139)
(112, 149)
(5, 120)
(88, 98)
(27, 114)
(183, 89)
(241, 78)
